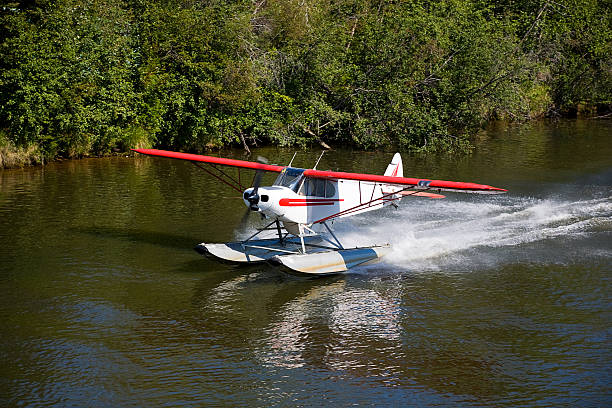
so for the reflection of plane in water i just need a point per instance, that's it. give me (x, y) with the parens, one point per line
(300, 198)
(289, 316)
(338, 326)
(355, 315)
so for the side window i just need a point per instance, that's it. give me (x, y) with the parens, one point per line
(317, 188)
(330, 190)
(308, 188)
(320, 188)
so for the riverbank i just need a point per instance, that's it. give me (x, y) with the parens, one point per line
(12, 156)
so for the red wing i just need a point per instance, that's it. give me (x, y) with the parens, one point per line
(210, 159)
(419, 184)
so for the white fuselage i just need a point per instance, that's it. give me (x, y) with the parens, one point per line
(310, 200)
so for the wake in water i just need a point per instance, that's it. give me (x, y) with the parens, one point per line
(457, 234)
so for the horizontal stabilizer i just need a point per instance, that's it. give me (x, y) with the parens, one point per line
(421, 194)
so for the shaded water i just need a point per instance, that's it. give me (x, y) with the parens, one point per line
(485, 300)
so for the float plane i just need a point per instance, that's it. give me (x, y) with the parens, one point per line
(300, 199)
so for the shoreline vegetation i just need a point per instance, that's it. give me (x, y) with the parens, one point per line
(89, 78)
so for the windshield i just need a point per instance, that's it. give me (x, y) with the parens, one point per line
(289, 177)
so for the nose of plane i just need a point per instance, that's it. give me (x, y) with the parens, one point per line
(256, 200)
(251, 199)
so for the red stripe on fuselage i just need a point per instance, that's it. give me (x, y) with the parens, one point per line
(306, 202)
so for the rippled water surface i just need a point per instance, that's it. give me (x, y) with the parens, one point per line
(485, 300)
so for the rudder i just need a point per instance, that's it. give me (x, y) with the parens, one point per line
(395, 168)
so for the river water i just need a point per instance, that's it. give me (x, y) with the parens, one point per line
(485, 300)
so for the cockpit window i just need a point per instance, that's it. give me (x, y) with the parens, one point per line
(289, 177)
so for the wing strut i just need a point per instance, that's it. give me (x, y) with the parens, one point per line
(214, 162)
(359, 206)
(237, 187)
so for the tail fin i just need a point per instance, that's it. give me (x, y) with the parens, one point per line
(395, 168)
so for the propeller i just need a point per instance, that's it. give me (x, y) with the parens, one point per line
(244, 220)
(252, 197)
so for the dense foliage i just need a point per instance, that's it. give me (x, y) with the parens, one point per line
(80, 77)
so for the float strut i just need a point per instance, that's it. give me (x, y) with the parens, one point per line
(280, 236)
(303, 246)
(333, 235)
